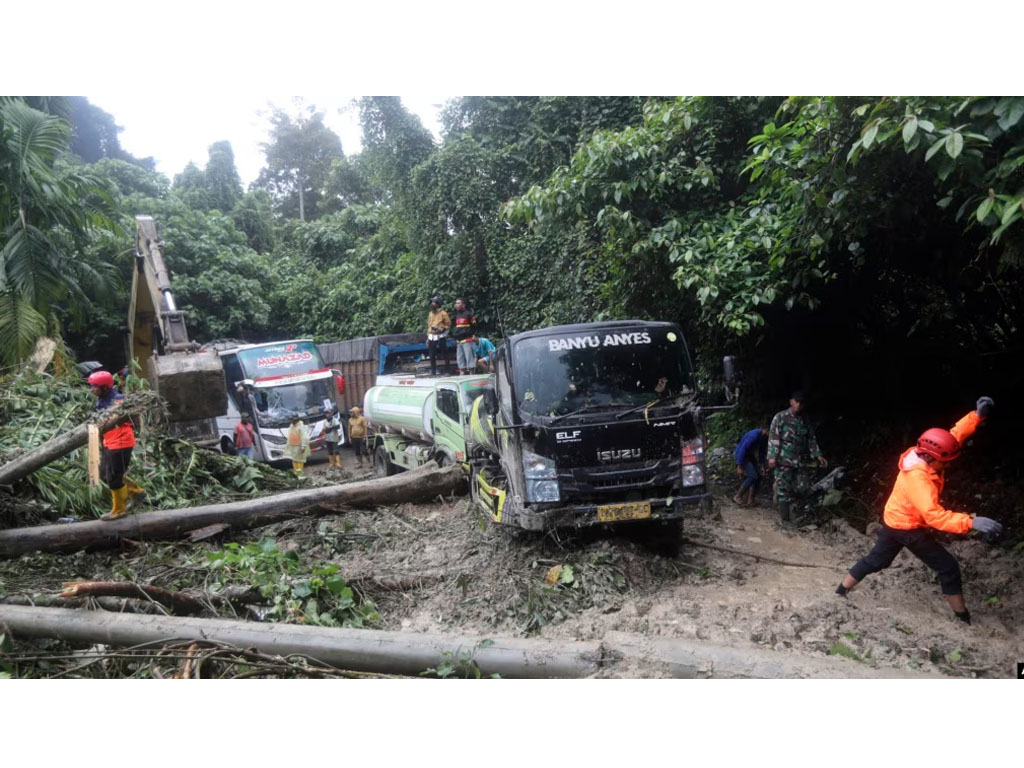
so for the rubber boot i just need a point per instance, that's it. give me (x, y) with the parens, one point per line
(136, 495)
(117, 499)
(297, 466)
(784, 513)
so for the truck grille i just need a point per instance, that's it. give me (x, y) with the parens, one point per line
(622, 478)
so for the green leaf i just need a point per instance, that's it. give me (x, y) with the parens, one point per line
(336, 584)
(909, 129)
(955, 656)
(842, 649)
(926, 125)
(935, 147)
(869, 135)
(984, 208)
(954, 144)
(1009, 210)
(566, 575)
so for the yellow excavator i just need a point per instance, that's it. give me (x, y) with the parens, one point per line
(189, 379)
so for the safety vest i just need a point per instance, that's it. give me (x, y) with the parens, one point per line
(121, 436)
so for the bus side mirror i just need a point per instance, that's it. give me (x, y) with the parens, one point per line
(732, 378)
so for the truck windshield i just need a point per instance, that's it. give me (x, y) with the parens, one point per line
(600, 370)
(277, 406)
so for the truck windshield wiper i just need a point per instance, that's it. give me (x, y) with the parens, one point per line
(655, 404)
(584, 409)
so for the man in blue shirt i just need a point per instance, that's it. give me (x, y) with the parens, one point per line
(750, 456)
(485, 351)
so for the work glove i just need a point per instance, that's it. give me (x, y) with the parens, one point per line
(987, 525)
(985, 406)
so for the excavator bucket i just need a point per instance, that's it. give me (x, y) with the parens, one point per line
(191, 380)
(192, 384)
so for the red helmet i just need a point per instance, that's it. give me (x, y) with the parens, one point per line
(939, 444)
(101, 379)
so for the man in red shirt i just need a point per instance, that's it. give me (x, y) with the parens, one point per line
(913, 511)
(244, 438)
(464, 333)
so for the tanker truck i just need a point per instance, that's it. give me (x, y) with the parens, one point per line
(416, 423)
(590, 424)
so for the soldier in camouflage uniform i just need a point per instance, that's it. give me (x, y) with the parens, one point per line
(791, 449)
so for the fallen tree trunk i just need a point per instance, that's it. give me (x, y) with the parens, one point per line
(409, 653)
(419, 485)
(60, 446)
(362, 650)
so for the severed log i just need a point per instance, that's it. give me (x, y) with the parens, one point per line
(178, 602)
(363, 650)
(617, 654)
(60, 446)
(419, 485)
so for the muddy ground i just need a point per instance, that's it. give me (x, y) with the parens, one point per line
(441, 568)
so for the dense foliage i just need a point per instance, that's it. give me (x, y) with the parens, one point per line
(835, 243)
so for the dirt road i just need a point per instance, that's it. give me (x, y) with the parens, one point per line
(477, 578)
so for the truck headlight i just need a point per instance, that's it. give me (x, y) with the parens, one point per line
(693, 475)
(538, 467)
(541, 478)
(693, 470)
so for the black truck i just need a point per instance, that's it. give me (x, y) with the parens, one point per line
(590, 424)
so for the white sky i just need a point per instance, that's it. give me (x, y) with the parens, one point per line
(187, 123)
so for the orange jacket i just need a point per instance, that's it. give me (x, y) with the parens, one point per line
(914, 502)
(121, 436)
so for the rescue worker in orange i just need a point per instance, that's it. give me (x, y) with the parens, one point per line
(913, 510)
(116, 452)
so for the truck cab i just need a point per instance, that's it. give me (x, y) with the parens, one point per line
(589, 424)
(421, 420)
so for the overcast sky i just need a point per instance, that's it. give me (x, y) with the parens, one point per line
(186, 124)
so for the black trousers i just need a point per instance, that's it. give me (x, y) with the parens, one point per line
(432, 348)
(922, 543)
(114, 465)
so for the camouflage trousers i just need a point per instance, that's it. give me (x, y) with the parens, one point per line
(792, 483)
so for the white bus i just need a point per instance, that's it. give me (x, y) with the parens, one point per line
(274, 383)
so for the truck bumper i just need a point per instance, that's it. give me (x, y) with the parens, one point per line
(601, 514)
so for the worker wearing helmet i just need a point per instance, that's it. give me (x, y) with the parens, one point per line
(438, 324)
(913, 509)
(118, 443)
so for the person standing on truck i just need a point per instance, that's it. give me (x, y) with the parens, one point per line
(485, 351)
(438, 324)
(464, 333)
(913, 510)
(297, 448)
(118, 443)
(357, 432)
(245, 438)
(750, 457)
(332, 428)
(791, 446)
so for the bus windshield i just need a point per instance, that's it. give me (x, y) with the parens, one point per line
(600, 371)
(277, 406)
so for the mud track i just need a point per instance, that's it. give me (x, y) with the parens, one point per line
(455, 572)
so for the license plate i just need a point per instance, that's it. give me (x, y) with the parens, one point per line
(611, 513)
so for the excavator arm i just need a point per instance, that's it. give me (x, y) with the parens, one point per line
(191, 381)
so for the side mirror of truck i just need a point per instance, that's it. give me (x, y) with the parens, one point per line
(490, 403)
(732, 377)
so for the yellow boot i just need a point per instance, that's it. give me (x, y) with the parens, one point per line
(297, 467)
(117, 500)
(135, 494)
